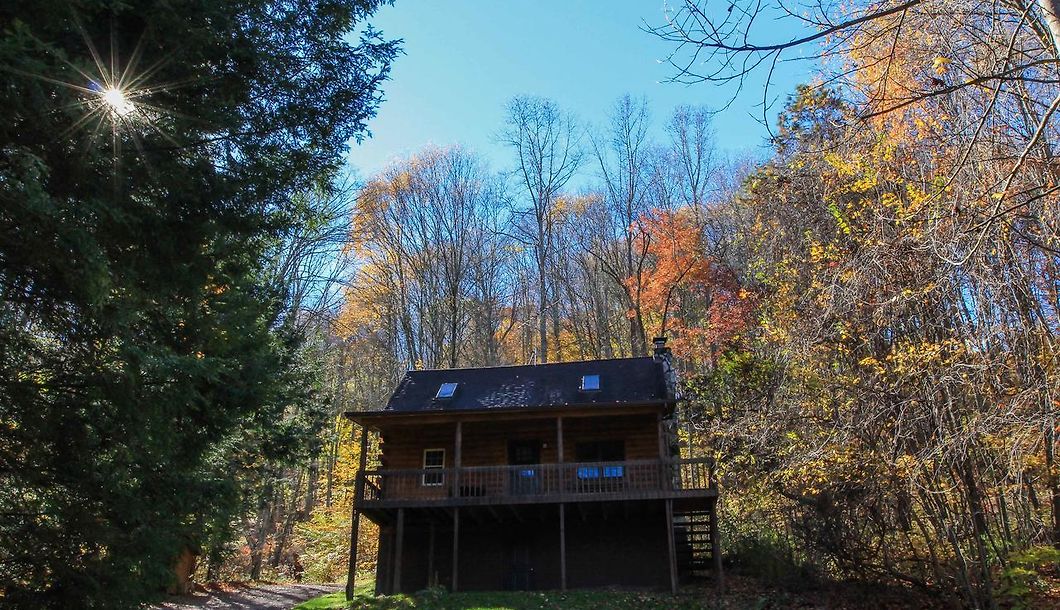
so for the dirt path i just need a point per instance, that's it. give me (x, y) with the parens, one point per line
(247, 597)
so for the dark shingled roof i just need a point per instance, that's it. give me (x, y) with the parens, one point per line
(622, 381)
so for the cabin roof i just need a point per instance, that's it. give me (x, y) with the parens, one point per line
(621, 381)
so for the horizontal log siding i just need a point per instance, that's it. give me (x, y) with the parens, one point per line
(486, 443)
(640, 432)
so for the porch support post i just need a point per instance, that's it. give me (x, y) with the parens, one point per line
(458, 441)
(559, 441)
(666, 469)
(399, 539)
(715, 547)
(430, 556)
(563, 547)
(355, 527)
(671, 551)
(456, 544)
(562, 508)
(662, 439)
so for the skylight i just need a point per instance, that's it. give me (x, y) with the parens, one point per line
(590, 383)
(445, 391)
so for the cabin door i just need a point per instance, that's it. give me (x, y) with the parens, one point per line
(526, 477)
(520, 572)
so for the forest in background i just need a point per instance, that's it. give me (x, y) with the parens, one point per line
(864, 317)
(865, 321)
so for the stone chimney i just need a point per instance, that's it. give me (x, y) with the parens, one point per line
(663, 355)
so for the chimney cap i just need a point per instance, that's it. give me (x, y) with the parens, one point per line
(660, 351)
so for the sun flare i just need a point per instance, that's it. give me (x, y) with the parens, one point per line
(117, 102)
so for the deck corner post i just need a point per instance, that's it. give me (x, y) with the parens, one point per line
(399, 543)
(562, 508)
(456, 546)
(563, 547)
(431, 580)
(355, 517)
(670, 546)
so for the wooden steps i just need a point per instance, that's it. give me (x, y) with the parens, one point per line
(693, 543)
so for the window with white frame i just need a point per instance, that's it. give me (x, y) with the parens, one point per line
(433, 459)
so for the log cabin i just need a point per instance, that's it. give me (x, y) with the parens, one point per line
(550, 476)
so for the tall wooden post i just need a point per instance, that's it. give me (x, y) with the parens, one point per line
(456, 544)
(355, 527)
(430, 556)
(670, 547)
(559, 440)
(666, 469)
(562, 509)
(563, 547)
(662, 439)
(457, 446)
(399, 543)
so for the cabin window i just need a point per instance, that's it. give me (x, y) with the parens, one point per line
(601, 451)
(590, 383)
(433, 460)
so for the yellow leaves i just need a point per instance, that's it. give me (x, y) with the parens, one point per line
(832, 463)
(840, 164)
(823, 253)
(870, 362)
(907, 358)
(906, 464)
(864, 184)
(941, 64)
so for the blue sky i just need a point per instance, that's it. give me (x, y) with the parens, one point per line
(465, 58)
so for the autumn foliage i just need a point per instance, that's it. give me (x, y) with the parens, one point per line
(688, 294)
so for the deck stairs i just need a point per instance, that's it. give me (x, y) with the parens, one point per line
(693, 544)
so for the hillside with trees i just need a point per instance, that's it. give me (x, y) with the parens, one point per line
(865, 317)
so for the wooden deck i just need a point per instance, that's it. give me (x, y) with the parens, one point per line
(537, 483)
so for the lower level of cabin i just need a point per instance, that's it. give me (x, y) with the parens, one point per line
(637, 544)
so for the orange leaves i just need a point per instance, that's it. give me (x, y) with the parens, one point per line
(685, 292)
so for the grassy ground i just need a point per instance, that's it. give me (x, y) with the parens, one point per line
(505, 600)
(743, 594)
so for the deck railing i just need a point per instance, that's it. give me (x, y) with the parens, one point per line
(536, 482)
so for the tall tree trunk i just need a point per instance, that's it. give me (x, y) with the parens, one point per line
(1051, 16)
(542, 306)
(261, 534)
(312, 484)
(1051, 474)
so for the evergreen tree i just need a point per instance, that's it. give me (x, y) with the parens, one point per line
(148, 154)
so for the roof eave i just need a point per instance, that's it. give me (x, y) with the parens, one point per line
(358, 416)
